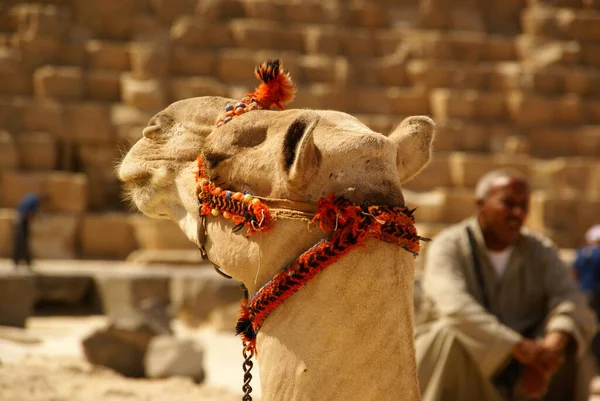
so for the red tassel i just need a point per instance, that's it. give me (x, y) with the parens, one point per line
(276, 88)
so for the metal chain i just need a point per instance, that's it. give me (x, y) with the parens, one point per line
(247, 353)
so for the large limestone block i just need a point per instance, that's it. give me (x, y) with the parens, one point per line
(432, 74)
(369, 100)
(41, 21)
(37, 150)
(168, 10)
(252, 34)
(16, 81)
(17, 296)
(190, 61)
(159, 234)
(149, 60)
(409, 102)
(58, 82)
(64, 289)
(121, 346)
(327, 96)
(554, 141)
(191, 31)
(530, 110)
(321, 40)
(562, 23)
(105, 55)
(7, 217)
(378, 122)
(11, 113)
(223, 10)
(184, 88)
(89, 124)
(464, 135)
(148, 95)
(107, 236)
(127, 292)
(168, 356)
(67, 192)
(54, 236)
(129, 122)
(435, 175)
(9, 158)
(391, 70)
(233, 66)
(317, 68)
(466, 169)
(103, 85)
(447, 105)
(355, 43)
(98, 162)
(170, 257)
(98, 159)
(543, 52)
(193, 298)
(44, 115)
(367, 14)
(442, 14)
(124, 115)
(104, 192)
(557, 217)
(108, 19)
(441, 205)
(565, 175)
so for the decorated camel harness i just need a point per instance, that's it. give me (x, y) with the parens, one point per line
(347, 225)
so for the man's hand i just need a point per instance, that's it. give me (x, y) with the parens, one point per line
(545, 357)
(533, 382)
(526, 351)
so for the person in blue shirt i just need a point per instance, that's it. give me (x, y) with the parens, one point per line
(587, 264)
(587, 272)
(26, 211)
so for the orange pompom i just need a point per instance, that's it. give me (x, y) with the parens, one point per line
(277, 87)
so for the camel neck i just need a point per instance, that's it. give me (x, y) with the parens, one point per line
(348, 334)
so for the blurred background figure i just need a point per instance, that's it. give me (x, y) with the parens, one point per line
(26, 211)
(502, 319)
(587, 271)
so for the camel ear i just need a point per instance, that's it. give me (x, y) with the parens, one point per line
(301, 158)
(413, 139)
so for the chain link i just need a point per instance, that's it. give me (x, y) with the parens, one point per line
(247, 353)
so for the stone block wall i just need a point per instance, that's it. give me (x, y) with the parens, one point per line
(509, 83)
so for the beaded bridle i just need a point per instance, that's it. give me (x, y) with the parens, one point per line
(346, 225)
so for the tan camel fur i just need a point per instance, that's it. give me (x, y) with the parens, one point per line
(348, 334)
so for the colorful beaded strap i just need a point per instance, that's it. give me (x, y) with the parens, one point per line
(276, 89)
(349, 226)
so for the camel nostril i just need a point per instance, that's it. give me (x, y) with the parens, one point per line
(151, 131)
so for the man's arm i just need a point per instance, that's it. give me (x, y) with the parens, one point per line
(570, 319)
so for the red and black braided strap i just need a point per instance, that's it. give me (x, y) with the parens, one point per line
(350, 227)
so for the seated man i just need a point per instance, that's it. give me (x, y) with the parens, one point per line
(501, 317)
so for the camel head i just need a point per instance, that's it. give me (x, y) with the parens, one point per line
(299, 155)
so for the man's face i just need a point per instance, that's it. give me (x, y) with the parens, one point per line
(503, 211)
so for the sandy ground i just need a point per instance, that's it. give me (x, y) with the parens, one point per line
(45, 363)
